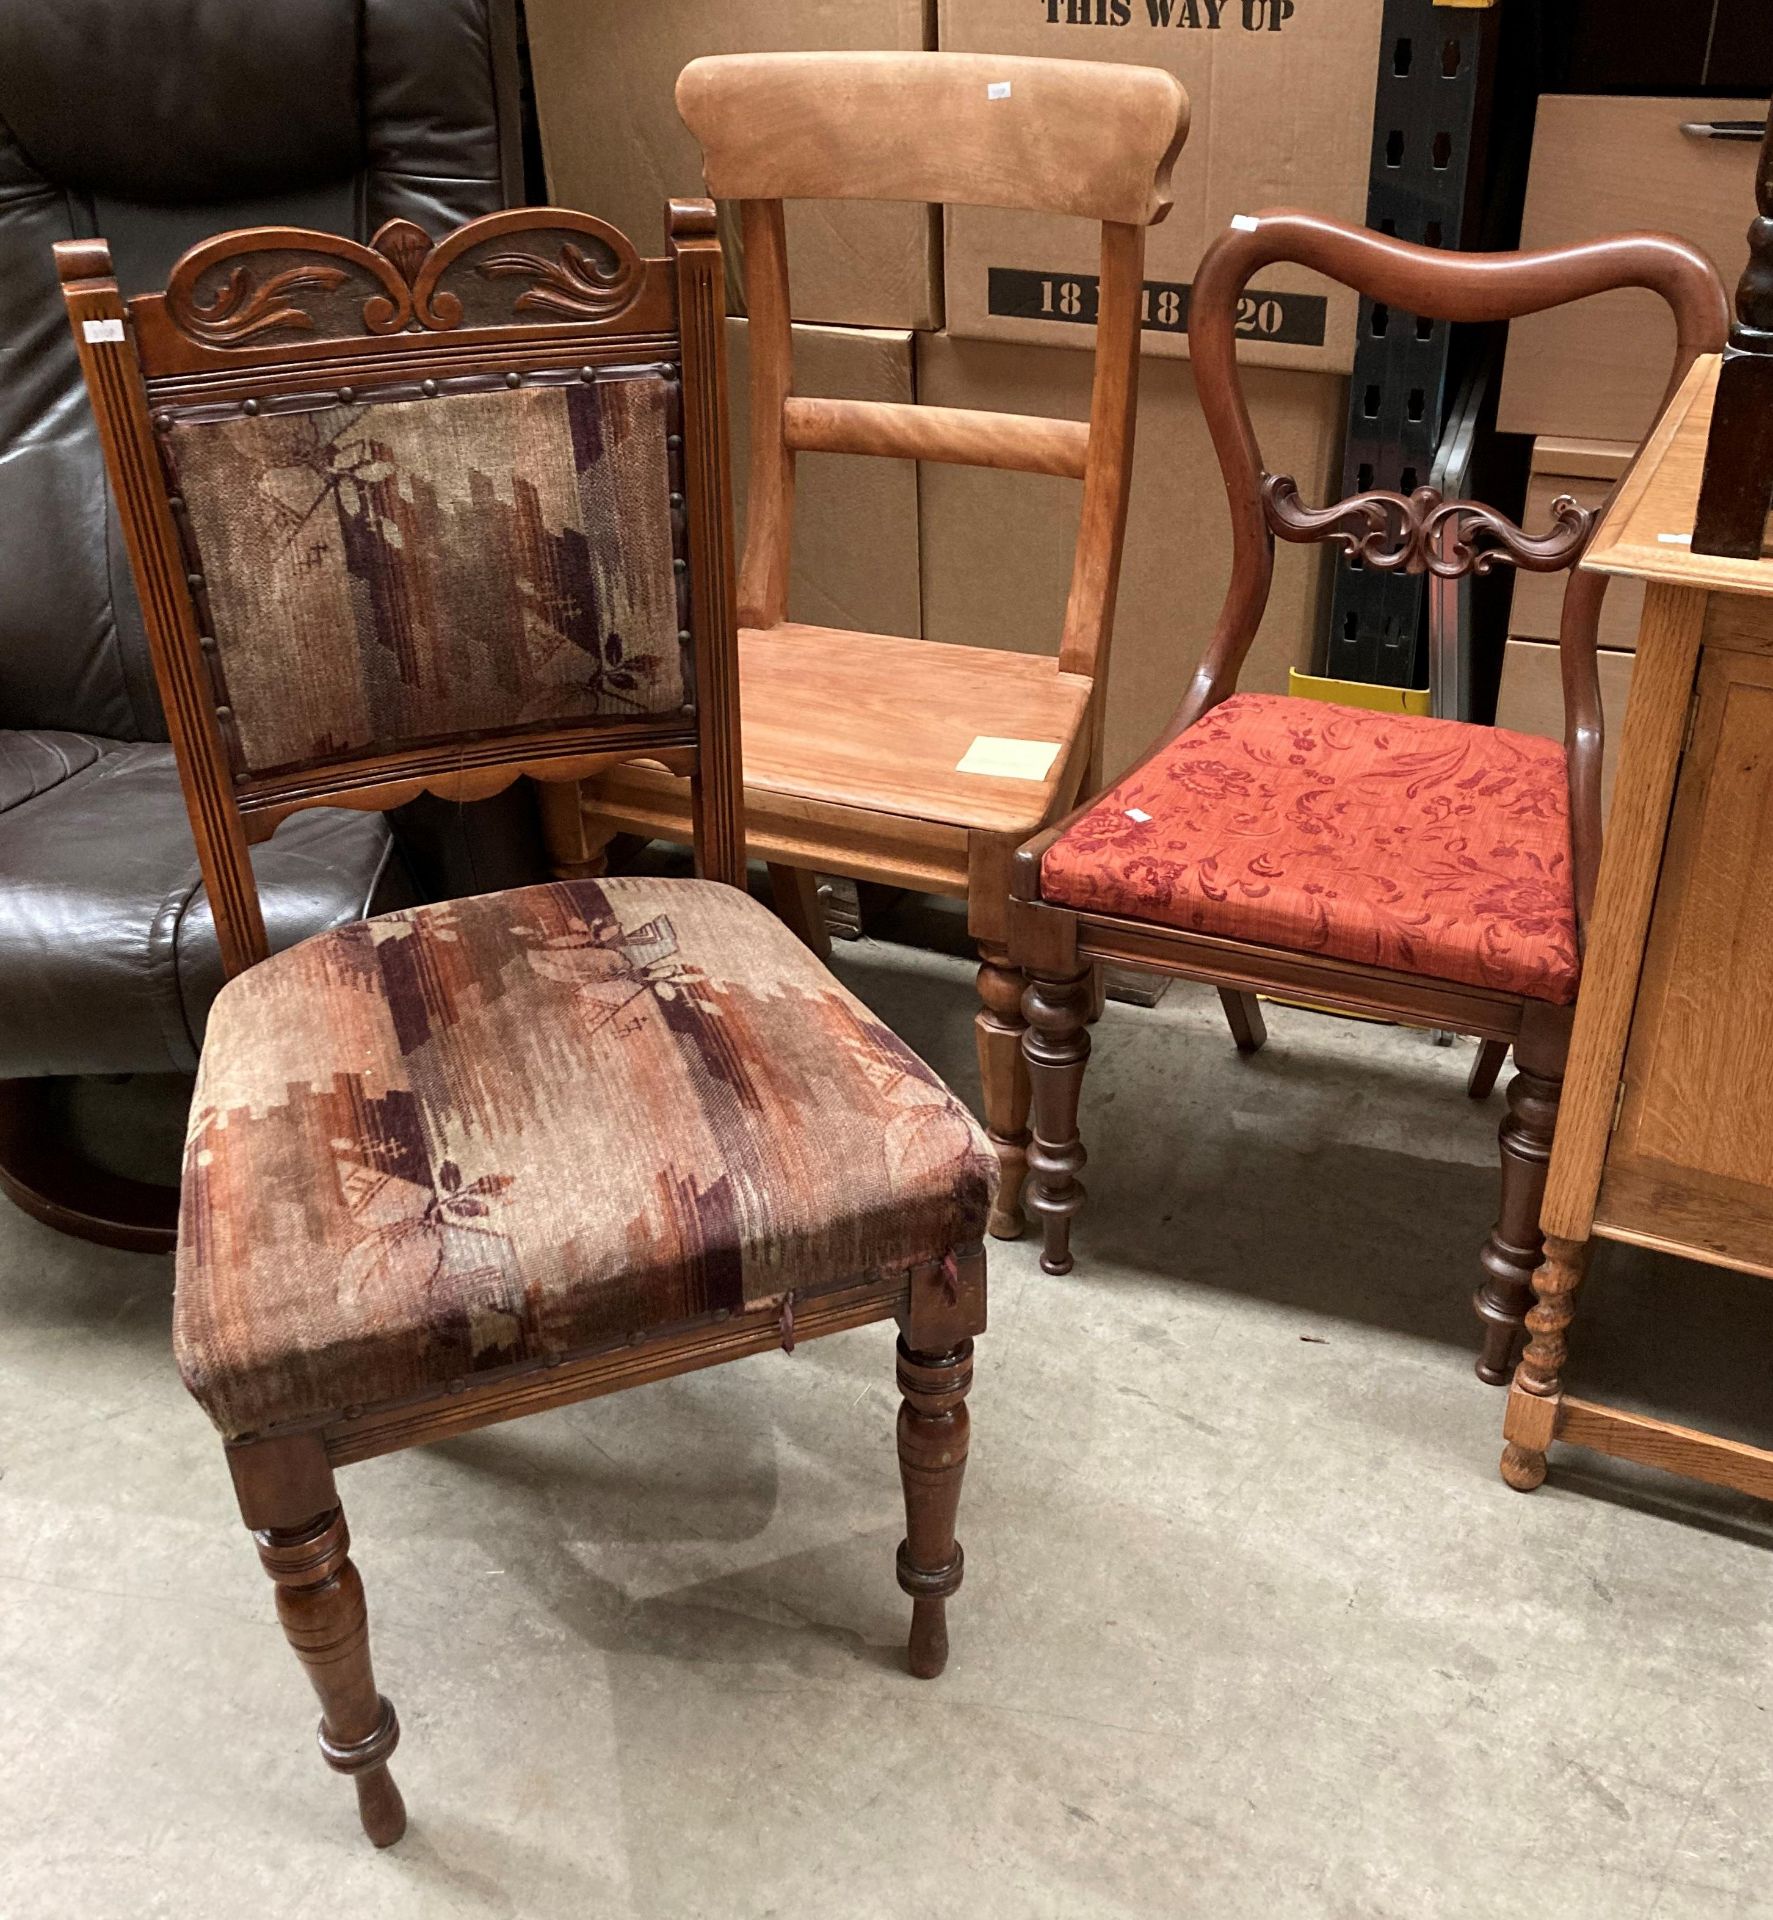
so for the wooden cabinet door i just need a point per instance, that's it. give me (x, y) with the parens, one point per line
(1691, 1160)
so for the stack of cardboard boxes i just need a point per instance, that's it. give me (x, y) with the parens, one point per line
(1587, 381)
(606, 78)
(867, 275)
(995, 310)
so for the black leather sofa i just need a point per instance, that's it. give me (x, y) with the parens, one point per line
(156, 123)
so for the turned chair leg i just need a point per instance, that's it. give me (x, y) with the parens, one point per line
(1512, 1252)
(1003, 1077)
(1485, 1068)
(320, 1602)
(578, 848)
(1531, 1419)
(1057, 1048)
(1243, 1013)
(794, 892)
(933, 1435)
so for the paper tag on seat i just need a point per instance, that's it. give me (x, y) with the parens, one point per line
(1002, 759)
(1139, 814)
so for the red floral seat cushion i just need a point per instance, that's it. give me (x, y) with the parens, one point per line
(1426, 846)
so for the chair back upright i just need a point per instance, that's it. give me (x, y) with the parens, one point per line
(1421, 532)
(1081, 138)
(419, 516)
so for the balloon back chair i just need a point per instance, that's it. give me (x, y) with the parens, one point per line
(1421, 870)
(411, 517)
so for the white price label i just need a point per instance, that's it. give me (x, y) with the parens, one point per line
(998, 758)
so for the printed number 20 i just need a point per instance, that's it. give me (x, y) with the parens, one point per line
(1258, 316)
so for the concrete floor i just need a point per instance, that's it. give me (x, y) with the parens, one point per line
(1250, 1625)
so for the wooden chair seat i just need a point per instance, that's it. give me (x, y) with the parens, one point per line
(880, 724)
(874, 721)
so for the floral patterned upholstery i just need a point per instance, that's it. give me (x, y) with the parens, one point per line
(513, 1128)
(395, 570)
(1426, 846)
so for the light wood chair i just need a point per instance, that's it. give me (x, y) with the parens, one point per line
(1426, 871)
(410, 517)
(854, 742)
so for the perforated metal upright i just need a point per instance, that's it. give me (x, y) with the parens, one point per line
(1434, 79)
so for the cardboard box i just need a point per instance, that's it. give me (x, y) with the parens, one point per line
(997, 547)
(1597, 370)
(1588, 471)
(855, 560)
(1283, 94)
(605, 77)
(1531, 699)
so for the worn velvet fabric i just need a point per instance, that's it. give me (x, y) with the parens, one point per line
(396, 571)
(508, 1129)
(1427, 846)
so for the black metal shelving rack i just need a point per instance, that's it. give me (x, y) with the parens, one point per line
(1434, 83)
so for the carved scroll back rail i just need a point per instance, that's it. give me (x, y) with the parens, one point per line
(273, 286)
(1423, 532)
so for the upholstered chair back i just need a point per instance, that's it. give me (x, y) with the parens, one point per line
(399, 568)
(417, 517)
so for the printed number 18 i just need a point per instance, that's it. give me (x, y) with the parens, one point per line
(1065, 297)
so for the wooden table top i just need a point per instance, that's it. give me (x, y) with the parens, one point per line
(1647, 532)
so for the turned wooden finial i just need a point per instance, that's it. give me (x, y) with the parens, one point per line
(1754, 292)
(1738, 486)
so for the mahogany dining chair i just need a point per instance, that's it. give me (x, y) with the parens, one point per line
(1427, 871)
(414, 517)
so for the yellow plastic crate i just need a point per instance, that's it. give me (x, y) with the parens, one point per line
(1357, 693)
